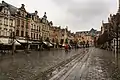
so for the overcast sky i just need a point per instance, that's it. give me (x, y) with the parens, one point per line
(78, 15)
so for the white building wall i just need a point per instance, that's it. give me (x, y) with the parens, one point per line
(6, 33)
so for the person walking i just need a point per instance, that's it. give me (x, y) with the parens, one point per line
(66, 47)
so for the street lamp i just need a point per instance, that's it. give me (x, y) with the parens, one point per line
(12, 36)
(27, 38)
(117, 44)
(117, 36)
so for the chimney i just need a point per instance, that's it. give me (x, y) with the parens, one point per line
(36, 12)
(3, 1)
(22, 5)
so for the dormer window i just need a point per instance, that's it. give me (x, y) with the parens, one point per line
(5, 11)
(22, 14)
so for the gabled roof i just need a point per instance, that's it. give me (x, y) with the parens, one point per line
(12, 8)
(28, 15)
(106, 25)
(92, 31)
(1, 6)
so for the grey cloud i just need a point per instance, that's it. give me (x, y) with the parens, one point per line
(84, 13)
(88, 10)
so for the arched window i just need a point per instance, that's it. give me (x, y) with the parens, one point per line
(22, 33)
(0, 31)
(5, 21)
(5, 32)
(34, 35)
(31, 35)
(17, 32)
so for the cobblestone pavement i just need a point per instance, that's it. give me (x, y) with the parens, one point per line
(99, 65)
(23, 66)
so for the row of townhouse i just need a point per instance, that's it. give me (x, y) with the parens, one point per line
(110, 32)
(60, 36)
(87, 36)
(22, 23)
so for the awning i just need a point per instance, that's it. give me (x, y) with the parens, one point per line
(23, 41)
(50, 44)
(4, 40)
(16, 43)
(47, 43)
(63, 45)
(7, 41)
(36, 43)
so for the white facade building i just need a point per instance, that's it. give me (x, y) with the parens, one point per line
(7, 23)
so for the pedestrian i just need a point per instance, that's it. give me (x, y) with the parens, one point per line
(66, 47)
(87, 43)
(83, 44)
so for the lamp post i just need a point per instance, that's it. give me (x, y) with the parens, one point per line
(117, 43)
(13, 43)
(117, 36)
(27, 38)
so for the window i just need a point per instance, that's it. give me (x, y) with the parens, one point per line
(18, 22)
(37, 28)
(34, 27)
(5, 11)
(22, 14)
(43, 27)
(0, 31)
(22, 33)
(37, 36)
(31, 35)
(5, 21)
(31, 26)
(5, 32)
(0, 22)
(27, 25)
(26, 33)
(10, 31)
(17, 33)
(11, 22)
(32, 17)
(34, 35)
(22, 23)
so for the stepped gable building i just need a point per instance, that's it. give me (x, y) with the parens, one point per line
(7, 21)
(86, 35)
(23, 24)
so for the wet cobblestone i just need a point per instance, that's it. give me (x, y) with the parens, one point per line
(25, 66)
(99, 66)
